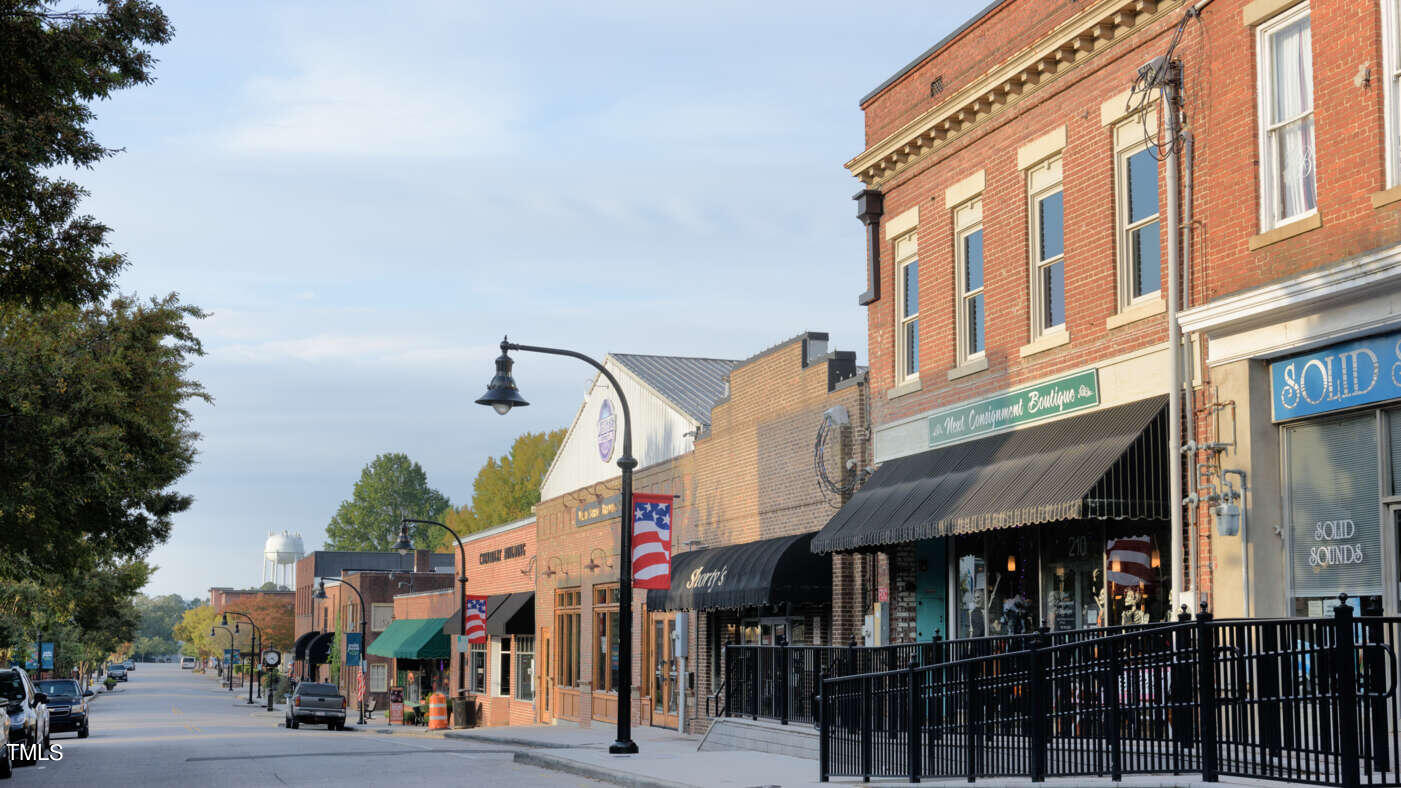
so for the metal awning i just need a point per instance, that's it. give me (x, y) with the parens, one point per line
(299, 648)
(412, 638)
(318, 649)
(746, 575)
(1109, 464)
(511, 614)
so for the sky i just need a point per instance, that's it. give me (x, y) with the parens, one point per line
(367, 196)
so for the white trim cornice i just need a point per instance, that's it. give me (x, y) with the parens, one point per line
(1352, 278)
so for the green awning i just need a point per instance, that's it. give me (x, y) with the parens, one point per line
(412, 638)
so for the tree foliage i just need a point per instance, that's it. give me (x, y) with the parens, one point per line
(505, 489)
(390, 488)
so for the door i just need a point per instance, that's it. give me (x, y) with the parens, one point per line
(662, 670)
(546, 674)
(931, 590)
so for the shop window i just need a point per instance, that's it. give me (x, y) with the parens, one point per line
(525, 667)
(1393, 418)
(1285, 69)
(379, 677)
(477, 668)
(605, 632)
(567, 620)
(501, 658)
(1333, 505)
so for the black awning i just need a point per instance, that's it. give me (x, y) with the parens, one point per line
(454, 625)
(318, 650)
(746, 575)
(511, 614)
(1109, 464)
(299, 648)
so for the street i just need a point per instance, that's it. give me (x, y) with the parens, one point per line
(171, 727)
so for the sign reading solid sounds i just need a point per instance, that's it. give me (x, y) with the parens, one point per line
(1339, 376)
(1005, 411)
(1335, 544)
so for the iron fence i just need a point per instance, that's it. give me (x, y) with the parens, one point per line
(1301, 700)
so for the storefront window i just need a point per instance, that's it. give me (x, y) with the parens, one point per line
(1138, 584)
(567, 625)
(477, 668)
(501, 658)
(525, 667)
(1074, 580)
(997, 583)
(605, 632)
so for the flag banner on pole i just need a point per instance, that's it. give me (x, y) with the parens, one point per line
(651, 541)
(476, 619)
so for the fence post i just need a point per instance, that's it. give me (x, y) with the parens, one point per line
(972, 713)
(818, 702)
(1345, 682)
(824, 729)
(1206, 696)
(915, 717)
(1116, 744)
(780, 680)
(727, 686)
(866, 729)
(1037, 711)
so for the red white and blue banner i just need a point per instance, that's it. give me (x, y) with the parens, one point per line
(651, 541)
(475, 625)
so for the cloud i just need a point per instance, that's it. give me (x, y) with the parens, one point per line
(338, 101)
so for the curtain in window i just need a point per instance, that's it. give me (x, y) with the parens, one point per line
(1292, 66)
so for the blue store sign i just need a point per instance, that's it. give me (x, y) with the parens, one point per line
(46, 656)
(352, 649)
(1340, 376)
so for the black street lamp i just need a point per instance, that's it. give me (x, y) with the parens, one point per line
(364, 656)
(231, 645)
(256, 643)
(404, 546)
(502, 395)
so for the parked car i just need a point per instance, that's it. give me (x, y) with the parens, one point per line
(7, 763)
(68, 705)
(187, 663)
(28, 713)
(116, 671)
(129, 664)
(317, 703)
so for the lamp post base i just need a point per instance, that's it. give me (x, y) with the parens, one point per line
(623, 747)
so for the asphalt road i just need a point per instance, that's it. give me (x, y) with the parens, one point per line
(171, 727)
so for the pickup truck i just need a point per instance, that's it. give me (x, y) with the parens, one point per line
(316, 703)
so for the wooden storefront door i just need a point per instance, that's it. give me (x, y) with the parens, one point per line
(661, 669)
(545, 698)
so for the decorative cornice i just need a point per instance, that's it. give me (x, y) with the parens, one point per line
(1351, 278)
(1075, 41)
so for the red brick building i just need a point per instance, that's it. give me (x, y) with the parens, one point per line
(222, 598)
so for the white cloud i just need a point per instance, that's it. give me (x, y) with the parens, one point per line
(400, 349)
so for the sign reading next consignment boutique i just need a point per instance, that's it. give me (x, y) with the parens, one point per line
(1339, 376)
(1013, 409)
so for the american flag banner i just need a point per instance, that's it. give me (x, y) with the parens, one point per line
(651, 541)
(1131, 562)
(476, 619)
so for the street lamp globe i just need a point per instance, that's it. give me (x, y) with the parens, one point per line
(501, 393)
(404, 546)
(320, 591)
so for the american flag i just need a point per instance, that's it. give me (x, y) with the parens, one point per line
(1131, 562)
(651, 541)
(476, 619)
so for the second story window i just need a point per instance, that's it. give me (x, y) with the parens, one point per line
(1285, 68)
(1391, 65)
(907, 337)
(1140, 247)
(968, 254)
(1047, 248)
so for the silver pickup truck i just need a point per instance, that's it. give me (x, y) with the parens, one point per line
(318, 704)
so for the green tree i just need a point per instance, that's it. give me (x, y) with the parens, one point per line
(505, 489)
(390, 488)
(57, 64)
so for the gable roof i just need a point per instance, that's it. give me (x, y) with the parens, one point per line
(693, 385)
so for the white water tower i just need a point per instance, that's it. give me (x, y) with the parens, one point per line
(280, 555)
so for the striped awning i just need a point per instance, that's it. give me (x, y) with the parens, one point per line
(1108, 464)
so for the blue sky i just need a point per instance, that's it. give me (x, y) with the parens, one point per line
(367, 196)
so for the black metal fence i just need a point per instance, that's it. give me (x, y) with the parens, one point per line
(1302, 700)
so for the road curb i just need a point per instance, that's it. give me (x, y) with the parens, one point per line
(559, 763)
(533, 744)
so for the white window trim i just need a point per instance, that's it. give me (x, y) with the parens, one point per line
(1391, 32)
(472, 651)
(1124, 229)
(1050, 168)
(521, 679)
(379, 677)
(901, 319)
(1264, 92)
(499, 645)
(967, 220)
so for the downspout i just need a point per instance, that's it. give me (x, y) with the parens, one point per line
(1174, 222)
(870, 206)
(1188, 359)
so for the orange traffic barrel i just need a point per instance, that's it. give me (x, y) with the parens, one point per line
(437, 711)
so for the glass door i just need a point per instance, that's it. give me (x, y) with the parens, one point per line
(662, 671)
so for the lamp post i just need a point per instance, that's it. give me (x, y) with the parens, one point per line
(404, 546)
(321, 595)
(231, 645)
(502, 395)
(256, 642)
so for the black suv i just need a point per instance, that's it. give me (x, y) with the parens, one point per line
(28, 712)
(68, 705)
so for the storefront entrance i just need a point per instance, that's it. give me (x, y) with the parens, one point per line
(661, 669)
(547, 677)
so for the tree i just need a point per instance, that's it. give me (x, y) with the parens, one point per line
(390, 488)
(93, 431)
(506, 489)
(56, 64)
(274, 616)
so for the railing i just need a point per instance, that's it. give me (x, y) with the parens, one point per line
(1302, 700)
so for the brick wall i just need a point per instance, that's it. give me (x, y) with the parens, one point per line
(502, 576)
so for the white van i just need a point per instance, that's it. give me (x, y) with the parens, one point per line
(187, 663)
